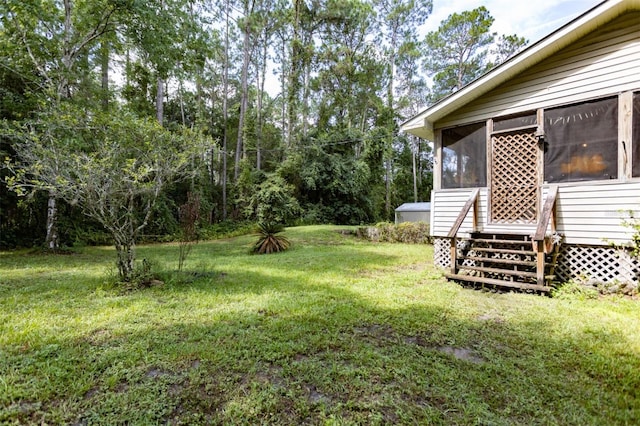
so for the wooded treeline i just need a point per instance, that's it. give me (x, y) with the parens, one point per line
(280, 108)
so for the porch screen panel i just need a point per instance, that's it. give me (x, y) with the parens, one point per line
(464, 156)
(636, 134)
(515, 122)
(581, 142)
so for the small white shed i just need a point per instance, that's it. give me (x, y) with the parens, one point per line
(413, 212)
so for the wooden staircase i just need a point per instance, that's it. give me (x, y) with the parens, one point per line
(505, 258)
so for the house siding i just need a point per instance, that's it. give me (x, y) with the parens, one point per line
(602, 64)
(585, 214)
(446, 206)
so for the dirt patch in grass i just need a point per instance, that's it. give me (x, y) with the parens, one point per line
(417, 340)
(315, 396)
(300, 357)
(201, 399)
(91, 393)
(155, 373)
(376, 333)
(122, 387)
(99, 337)
(464, 354)
(270, 375)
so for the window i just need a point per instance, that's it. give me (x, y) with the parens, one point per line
(464, 156)
(635, 129)
(581, 142)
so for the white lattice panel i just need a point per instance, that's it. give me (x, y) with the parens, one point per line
(514, 183)
(441, 254)
(604, 264)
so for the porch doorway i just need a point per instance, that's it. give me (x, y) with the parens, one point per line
(515, 177)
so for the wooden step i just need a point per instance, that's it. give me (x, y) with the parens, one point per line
(513, 272)
(497, 283)
(525, 235)
(504, 251)
(505, 242)
(530, 263)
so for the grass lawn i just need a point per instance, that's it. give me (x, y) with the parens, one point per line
(335, 331)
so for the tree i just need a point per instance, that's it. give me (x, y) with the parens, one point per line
(398, 21)
(349, 71)
(331, 182)
(273, 201)
(113, 166)
(506, 47)
(57, 38)
(457, 51)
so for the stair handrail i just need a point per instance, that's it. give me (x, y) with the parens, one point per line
(548, 214)
(472, 201)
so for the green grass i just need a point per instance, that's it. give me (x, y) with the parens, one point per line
(334, 331)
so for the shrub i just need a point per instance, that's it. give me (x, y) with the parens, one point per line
(575, 289)
(584, 287)
(269, 241)
(406, 232)
(274, 201)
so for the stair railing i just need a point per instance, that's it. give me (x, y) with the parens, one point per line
(452, 235)
(539, 238)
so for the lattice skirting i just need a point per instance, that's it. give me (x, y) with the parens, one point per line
(599, 263)
(441, 254)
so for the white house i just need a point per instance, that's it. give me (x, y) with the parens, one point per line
(537, 161)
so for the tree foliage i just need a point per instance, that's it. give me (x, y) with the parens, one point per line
(458, 52)
(114, 167)
(281, 111)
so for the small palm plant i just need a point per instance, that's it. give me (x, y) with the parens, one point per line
(269, 241)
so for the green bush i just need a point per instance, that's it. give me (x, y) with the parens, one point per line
(406, 232)
(274, 202)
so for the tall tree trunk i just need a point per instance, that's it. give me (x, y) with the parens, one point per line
(51, 239)
(259, 123)
(64, 92)
(415, 177)
(305, 97)
(104, 65)
(262, 76)
(283, 93)
(180, 93)
(160, 100)
(225, 112)
(391, 126)
(294, 73)
(243, 100)
(387, 186)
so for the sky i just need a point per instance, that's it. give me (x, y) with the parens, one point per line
(532, 19)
